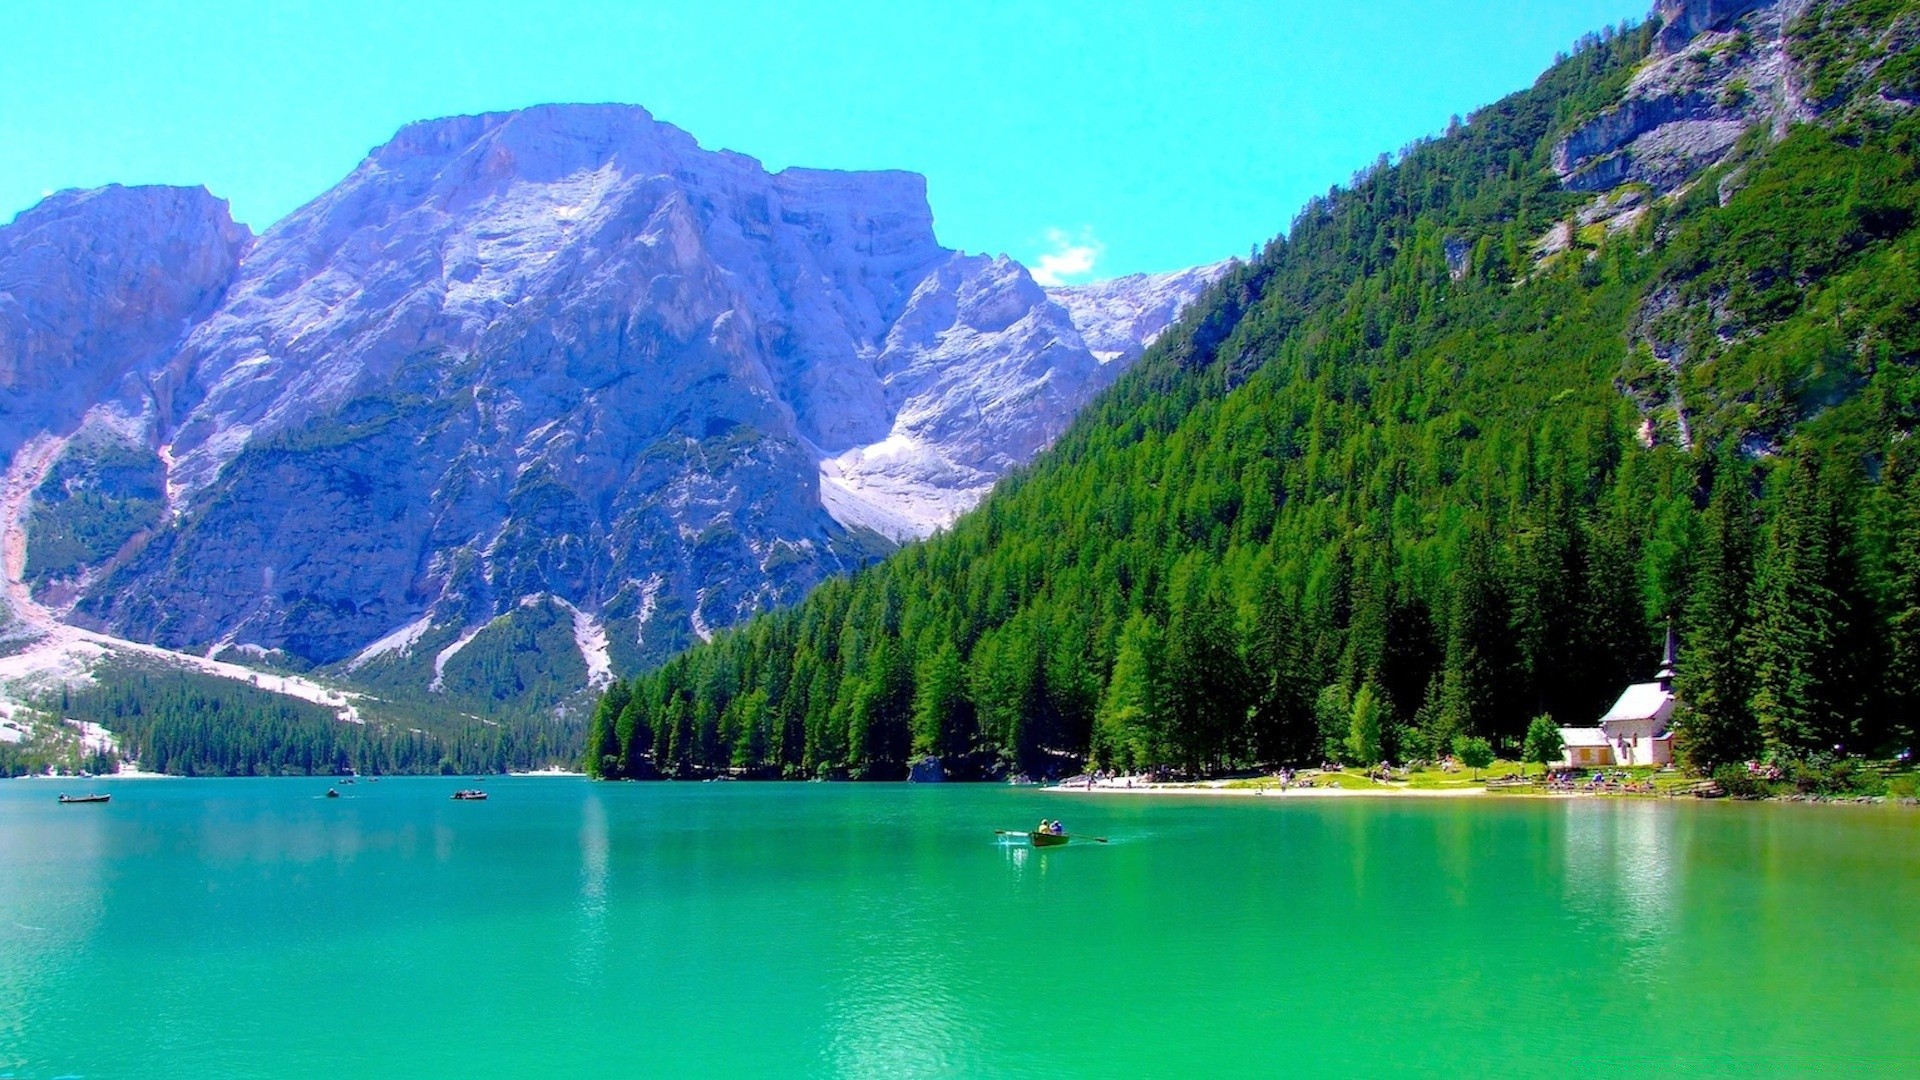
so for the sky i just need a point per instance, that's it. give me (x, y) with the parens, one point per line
(1087, 140)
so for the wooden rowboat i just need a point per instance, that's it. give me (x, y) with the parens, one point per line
(1038, 838)
(85, 798)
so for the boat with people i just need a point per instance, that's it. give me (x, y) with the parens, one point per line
(470, 795)
(1049, 833)
(95, 797)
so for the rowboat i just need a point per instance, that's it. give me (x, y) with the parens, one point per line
(1044, 838)
(96, 797)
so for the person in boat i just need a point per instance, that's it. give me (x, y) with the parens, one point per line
(1059, 829)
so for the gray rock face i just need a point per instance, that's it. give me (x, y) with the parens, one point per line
(982, 371)
(1115, 317)
(1683, 20)
(564, 361)
(96, 286)
(1721, 68)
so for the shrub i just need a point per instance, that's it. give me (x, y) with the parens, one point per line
(1738, 783)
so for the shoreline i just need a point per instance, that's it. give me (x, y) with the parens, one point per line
(1220, 790)
(1296, 792)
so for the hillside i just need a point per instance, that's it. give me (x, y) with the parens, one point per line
(527, 399)
(1631, 348)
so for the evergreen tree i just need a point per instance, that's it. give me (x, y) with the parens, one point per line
(1713, 723)
(942, 714)
(1364, 731)
(1130, 730)
(603, 735)
(1333, 717)
(1799, 619)
(1903, 624)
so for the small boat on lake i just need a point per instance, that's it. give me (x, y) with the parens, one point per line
(1047, 837)
(95, 797)
(470, 795)
(332, 794)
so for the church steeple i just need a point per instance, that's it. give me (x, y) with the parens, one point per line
(1669, 662)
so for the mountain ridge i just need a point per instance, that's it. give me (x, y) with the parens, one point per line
(561, 355)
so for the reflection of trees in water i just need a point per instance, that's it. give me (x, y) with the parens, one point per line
(590, 951)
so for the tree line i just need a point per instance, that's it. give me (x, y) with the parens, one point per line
(189, 724)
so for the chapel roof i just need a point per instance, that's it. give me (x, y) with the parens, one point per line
(1641, 701)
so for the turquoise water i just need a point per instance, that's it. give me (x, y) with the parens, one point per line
(248, 928)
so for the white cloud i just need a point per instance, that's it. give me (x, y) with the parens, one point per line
(1072, 257)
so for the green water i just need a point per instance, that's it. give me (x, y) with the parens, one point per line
(248, 928)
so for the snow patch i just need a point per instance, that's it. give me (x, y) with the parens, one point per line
(439, 683)
(885, 487)
(96, 739)
(590, 637)
(399, 642)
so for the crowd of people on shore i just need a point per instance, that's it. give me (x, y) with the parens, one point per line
(1569, 782)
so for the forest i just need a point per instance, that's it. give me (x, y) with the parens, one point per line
(189, 724)
(1406, 477)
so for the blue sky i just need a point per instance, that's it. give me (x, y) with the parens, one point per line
(1092, 139)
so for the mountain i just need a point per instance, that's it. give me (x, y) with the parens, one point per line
(95, 287)
(1630, 349)
(526, 399)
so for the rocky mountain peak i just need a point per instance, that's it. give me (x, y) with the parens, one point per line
(561, 372)
(98, 285)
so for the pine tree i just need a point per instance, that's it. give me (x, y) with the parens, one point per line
(603, 736)
(1282, 716)
(1903, 624)
(1800, 622)
(1129, 730)
(1713, 723)
(942, 714)
(1333, 717)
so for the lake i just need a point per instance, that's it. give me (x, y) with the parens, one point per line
(251, 928)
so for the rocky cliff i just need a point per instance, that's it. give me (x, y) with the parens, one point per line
(557, 375)
(95, 288)
(1722, 68)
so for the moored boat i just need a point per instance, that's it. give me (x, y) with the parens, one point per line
(95, 797)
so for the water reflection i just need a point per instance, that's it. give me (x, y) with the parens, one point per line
(592, 905)
(1622, 872)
